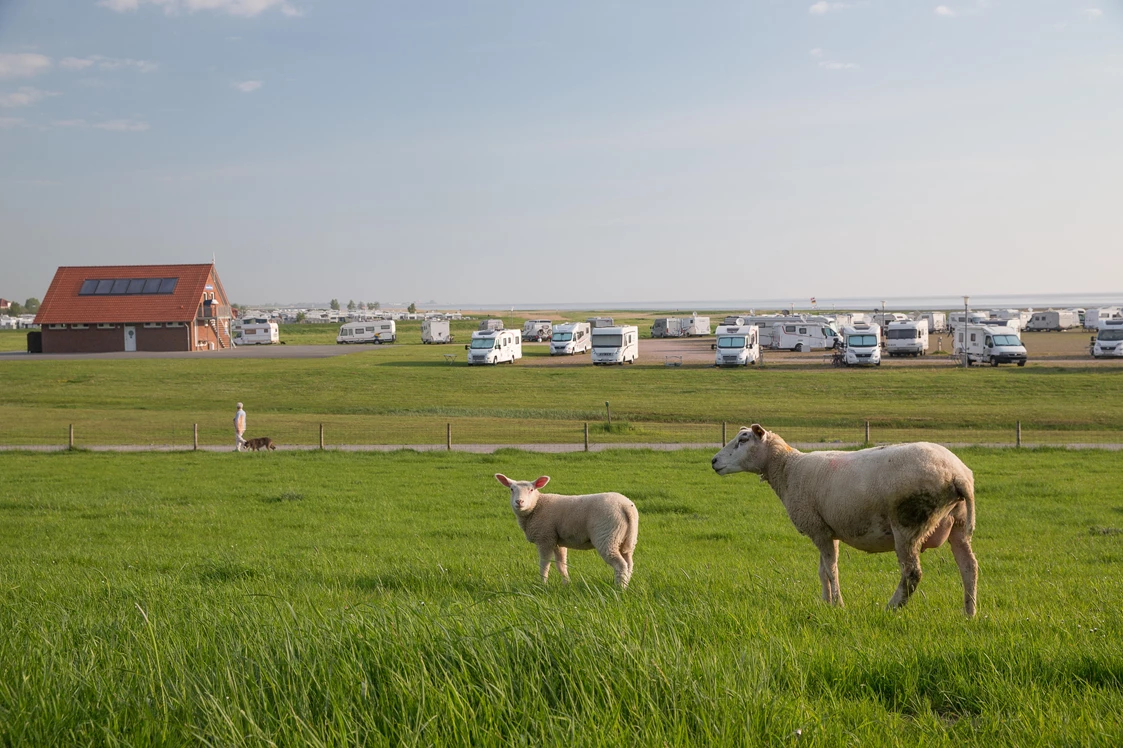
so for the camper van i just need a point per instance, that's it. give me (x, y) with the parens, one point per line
(861, 345)
(803, 336)
(596, 322)
(538, 330)
(907, 338)
(1053, 319)
(435, 330)
(667, 327)
(495, 347)
(955, 319)
(255, 331)
(937, 321)
(991, 344)
(491, 324)
(1109, 339)
(616, 345)
(372, 331)
(571, 338)
(737, 345)
(1093, 317)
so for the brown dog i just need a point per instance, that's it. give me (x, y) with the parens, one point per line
(261, 442)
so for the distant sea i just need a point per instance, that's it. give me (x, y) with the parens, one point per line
(892, 303)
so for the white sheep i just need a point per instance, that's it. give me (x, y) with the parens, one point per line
(903, 498)
(608, 522)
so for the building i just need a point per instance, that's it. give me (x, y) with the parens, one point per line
(100, 309)
(5, 306)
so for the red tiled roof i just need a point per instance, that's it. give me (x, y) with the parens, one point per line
(62, 305)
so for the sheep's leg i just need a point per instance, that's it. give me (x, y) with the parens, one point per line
(907, 546)
(623, 569)
(828, 571)
(628, 558)
(545, 556)
(559, 557)
(968, 566)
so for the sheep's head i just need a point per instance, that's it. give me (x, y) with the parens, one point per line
(524, 493)
(748, 452)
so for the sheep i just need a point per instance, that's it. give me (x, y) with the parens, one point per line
(608, 522)
(903, 498)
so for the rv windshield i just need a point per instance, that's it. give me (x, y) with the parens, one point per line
(608, 341)
(562, 337)
(1110, 335)
(861, 341)
(483, 343)
(909, 334)
(737, 341)
(1006, 340)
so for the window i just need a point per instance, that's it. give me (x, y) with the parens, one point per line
(105, 326)
(123, 286)
(80, 327)
(151, 324)
(803, 331)
(56, 327)
(175, 324)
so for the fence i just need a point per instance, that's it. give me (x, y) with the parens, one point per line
(139, 431)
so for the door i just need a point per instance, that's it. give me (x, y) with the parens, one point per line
(130, 338)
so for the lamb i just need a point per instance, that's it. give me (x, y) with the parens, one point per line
(608, 522)
(903, 498)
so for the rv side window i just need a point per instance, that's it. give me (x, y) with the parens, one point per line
(803, 331)
(973, 337)
(988, 342)
(789, 328)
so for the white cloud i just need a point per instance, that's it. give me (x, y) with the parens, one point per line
(816, 52)
(247, 86)
(121, 125)
(10, 122)
(945, 11)
(243, 8)
(833, 65)
(25, 96)
(23, 65)
(100, 62)
(1092, 14)
(822, 7)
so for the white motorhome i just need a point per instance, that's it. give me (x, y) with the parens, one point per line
(937, 321)
(372, 331)
(861, 345)
(882, 319)
(570, 338)
(1093, 317)
(737, 345)
(803, 336)
(955, 319)
(1054, 320)
(991, 344)
(1109, 339)
(767, 325)
(667, 327)
(616, 345)
(491, 324)
(495, 347)
(435, 330)
(255, 331)
(538, 330)
(907, 338)
(596, 322)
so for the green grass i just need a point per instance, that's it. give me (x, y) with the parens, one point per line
(13, 340)
(330, 598)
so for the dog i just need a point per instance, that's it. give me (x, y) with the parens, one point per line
(261, 442)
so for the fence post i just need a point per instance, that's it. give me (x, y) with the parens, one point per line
(70, 439)
(1018, 435)
(723, 439)
(867, 432)
(586, 436)
(321, 436)
(448, 436)
(195, 438)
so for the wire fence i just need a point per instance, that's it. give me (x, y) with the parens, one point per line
(139, 431)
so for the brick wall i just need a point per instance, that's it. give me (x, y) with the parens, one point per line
(95, 340)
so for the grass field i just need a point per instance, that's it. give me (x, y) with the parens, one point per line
(330, 598)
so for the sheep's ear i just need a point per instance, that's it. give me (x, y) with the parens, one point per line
(503, 479)
(758, 430)
(541, 482)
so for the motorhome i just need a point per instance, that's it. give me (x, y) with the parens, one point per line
(803, 336)
(495, 347)
(491, 324)
(538, 330)
(1015, 319)
(255, 331)
(737, 345)
(615, 345)
(882, 319)
(435, 330)
(991, 344)
(372, 331)
(667, 327)
(1109, 339)
(570, 338)
(1094, 317)
(1053, 320)
(861, 345)
(596, 322)
(907, 338)
(955, 319)
(937, 321)
(767, 325)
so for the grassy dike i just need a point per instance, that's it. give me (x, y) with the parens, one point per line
(389, 599)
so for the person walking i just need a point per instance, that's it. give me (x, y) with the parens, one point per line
(239, 428)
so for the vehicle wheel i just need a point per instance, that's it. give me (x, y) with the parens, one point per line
(799, 347)
(1021, 363)
(993, 361)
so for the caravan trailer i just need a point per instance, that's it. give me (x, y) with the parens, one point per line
(570, 338)
(495, 347)
(435, 330)
(667, 327)
(1109, 339)
(907, 338)
(803, 336)
(373, 331)
(616, 345)
(596, 322)
(491, 324)
(991, 344)
(1094, 317)
(861, 345)
(1053, 320)
(737, 345)
(937, 321)
(538, 330)
(255, 331)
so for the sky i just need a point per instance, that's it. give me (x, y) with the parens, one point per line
(529, 152)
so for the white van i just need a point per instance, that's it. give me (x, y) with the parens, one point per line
(937, 321)
(991, 344)
(1109, 339)
(538, 330)
(371, 331)
(803, 336)
(861, 345)
(571, 338)
(907, 338)
(615, 345)
(255, 331)
(435, 330)
(737, 345)
(495, 347)
(596, 322)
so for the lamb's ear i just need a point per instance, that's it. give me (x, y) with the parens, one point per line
(503, 479)
(541, 482)
(758, 430)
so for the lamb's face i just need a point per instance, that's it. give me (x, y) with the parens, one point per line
(524, 494)
(745, 453)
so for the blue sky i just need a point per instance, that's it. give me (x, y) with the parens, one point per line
(567, 152)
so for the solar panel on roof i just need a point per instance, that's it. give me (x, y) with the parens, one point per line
(120, 285)
(123, 286)
(167, 285)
